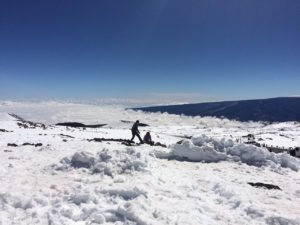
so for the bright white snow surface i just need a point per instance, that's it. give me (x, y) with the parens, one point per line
(203, 180)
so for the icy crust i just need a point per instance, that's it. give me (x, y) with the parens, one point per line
(107, 162)
(206, 149)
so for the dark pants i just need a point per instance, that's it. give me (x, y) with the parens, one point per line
(136, 134)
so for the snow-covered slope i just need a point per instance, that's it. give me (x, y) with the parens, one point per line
(203, 180)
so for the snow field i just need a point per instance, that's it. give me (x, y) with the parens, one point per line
(82, 182)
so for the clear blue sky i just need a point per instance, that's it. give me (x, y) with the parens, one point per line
(235, 49)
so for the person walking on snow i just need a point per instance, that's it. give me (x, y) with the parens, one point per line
(135, 131)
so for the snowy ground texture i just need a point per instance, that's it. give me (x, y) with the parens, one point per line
(202, 180)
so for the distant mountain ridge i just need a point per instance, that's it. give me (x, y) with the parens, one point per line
(271, 110)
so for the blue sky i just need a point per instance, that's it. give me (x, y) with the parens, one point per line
(179, 50)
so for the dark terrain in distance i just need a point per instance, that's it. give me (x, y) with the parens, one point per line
(270, 110)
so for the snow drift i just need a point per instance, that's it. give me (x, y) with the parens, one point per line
(206, 149)
(107, 162)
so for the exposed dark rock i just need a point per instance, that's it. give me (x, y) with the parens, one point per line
(183, 136)
(126, 142)
(64, 135)
(160, 144)
(126, 121)
(249, 136)
(109, 139)
(262, 185)
(4, 131)
(179, 142)
(79, 125)
(26, 143)
(293, 152)
(32, 144)
(12, 145)
(27, 124)
(276, 149)
(253, 143)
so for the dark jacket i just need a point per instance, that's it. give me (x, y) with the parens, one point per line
(147, 138)
(135, 128)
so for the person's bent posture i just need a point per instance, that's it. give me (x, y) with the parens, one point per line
(135, 131)
(148, 139)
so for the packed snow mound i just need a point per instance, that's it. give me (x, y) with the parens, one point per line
(82, 160)
(206, 149)
(107, 162)
(206, 152)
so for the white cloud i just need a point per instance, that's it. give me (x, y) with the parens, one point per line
(149, 99)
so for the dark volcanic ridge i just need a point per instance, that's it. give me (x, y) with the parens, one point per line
(270, 110)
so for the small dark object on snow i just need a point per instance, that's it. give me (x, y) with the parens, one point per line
(126, 121)
(26, 143)
(4, 131)
(7, 150)
(128, 143)
(32, 144)
(109, 139)
(184, 136)
(267, 186)
(12, 145)
(65, 140)
(160, 144)
(123, 141)
(294, 152)
(253, 143)
(250, 136)
(64, 135)
(79, 125)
